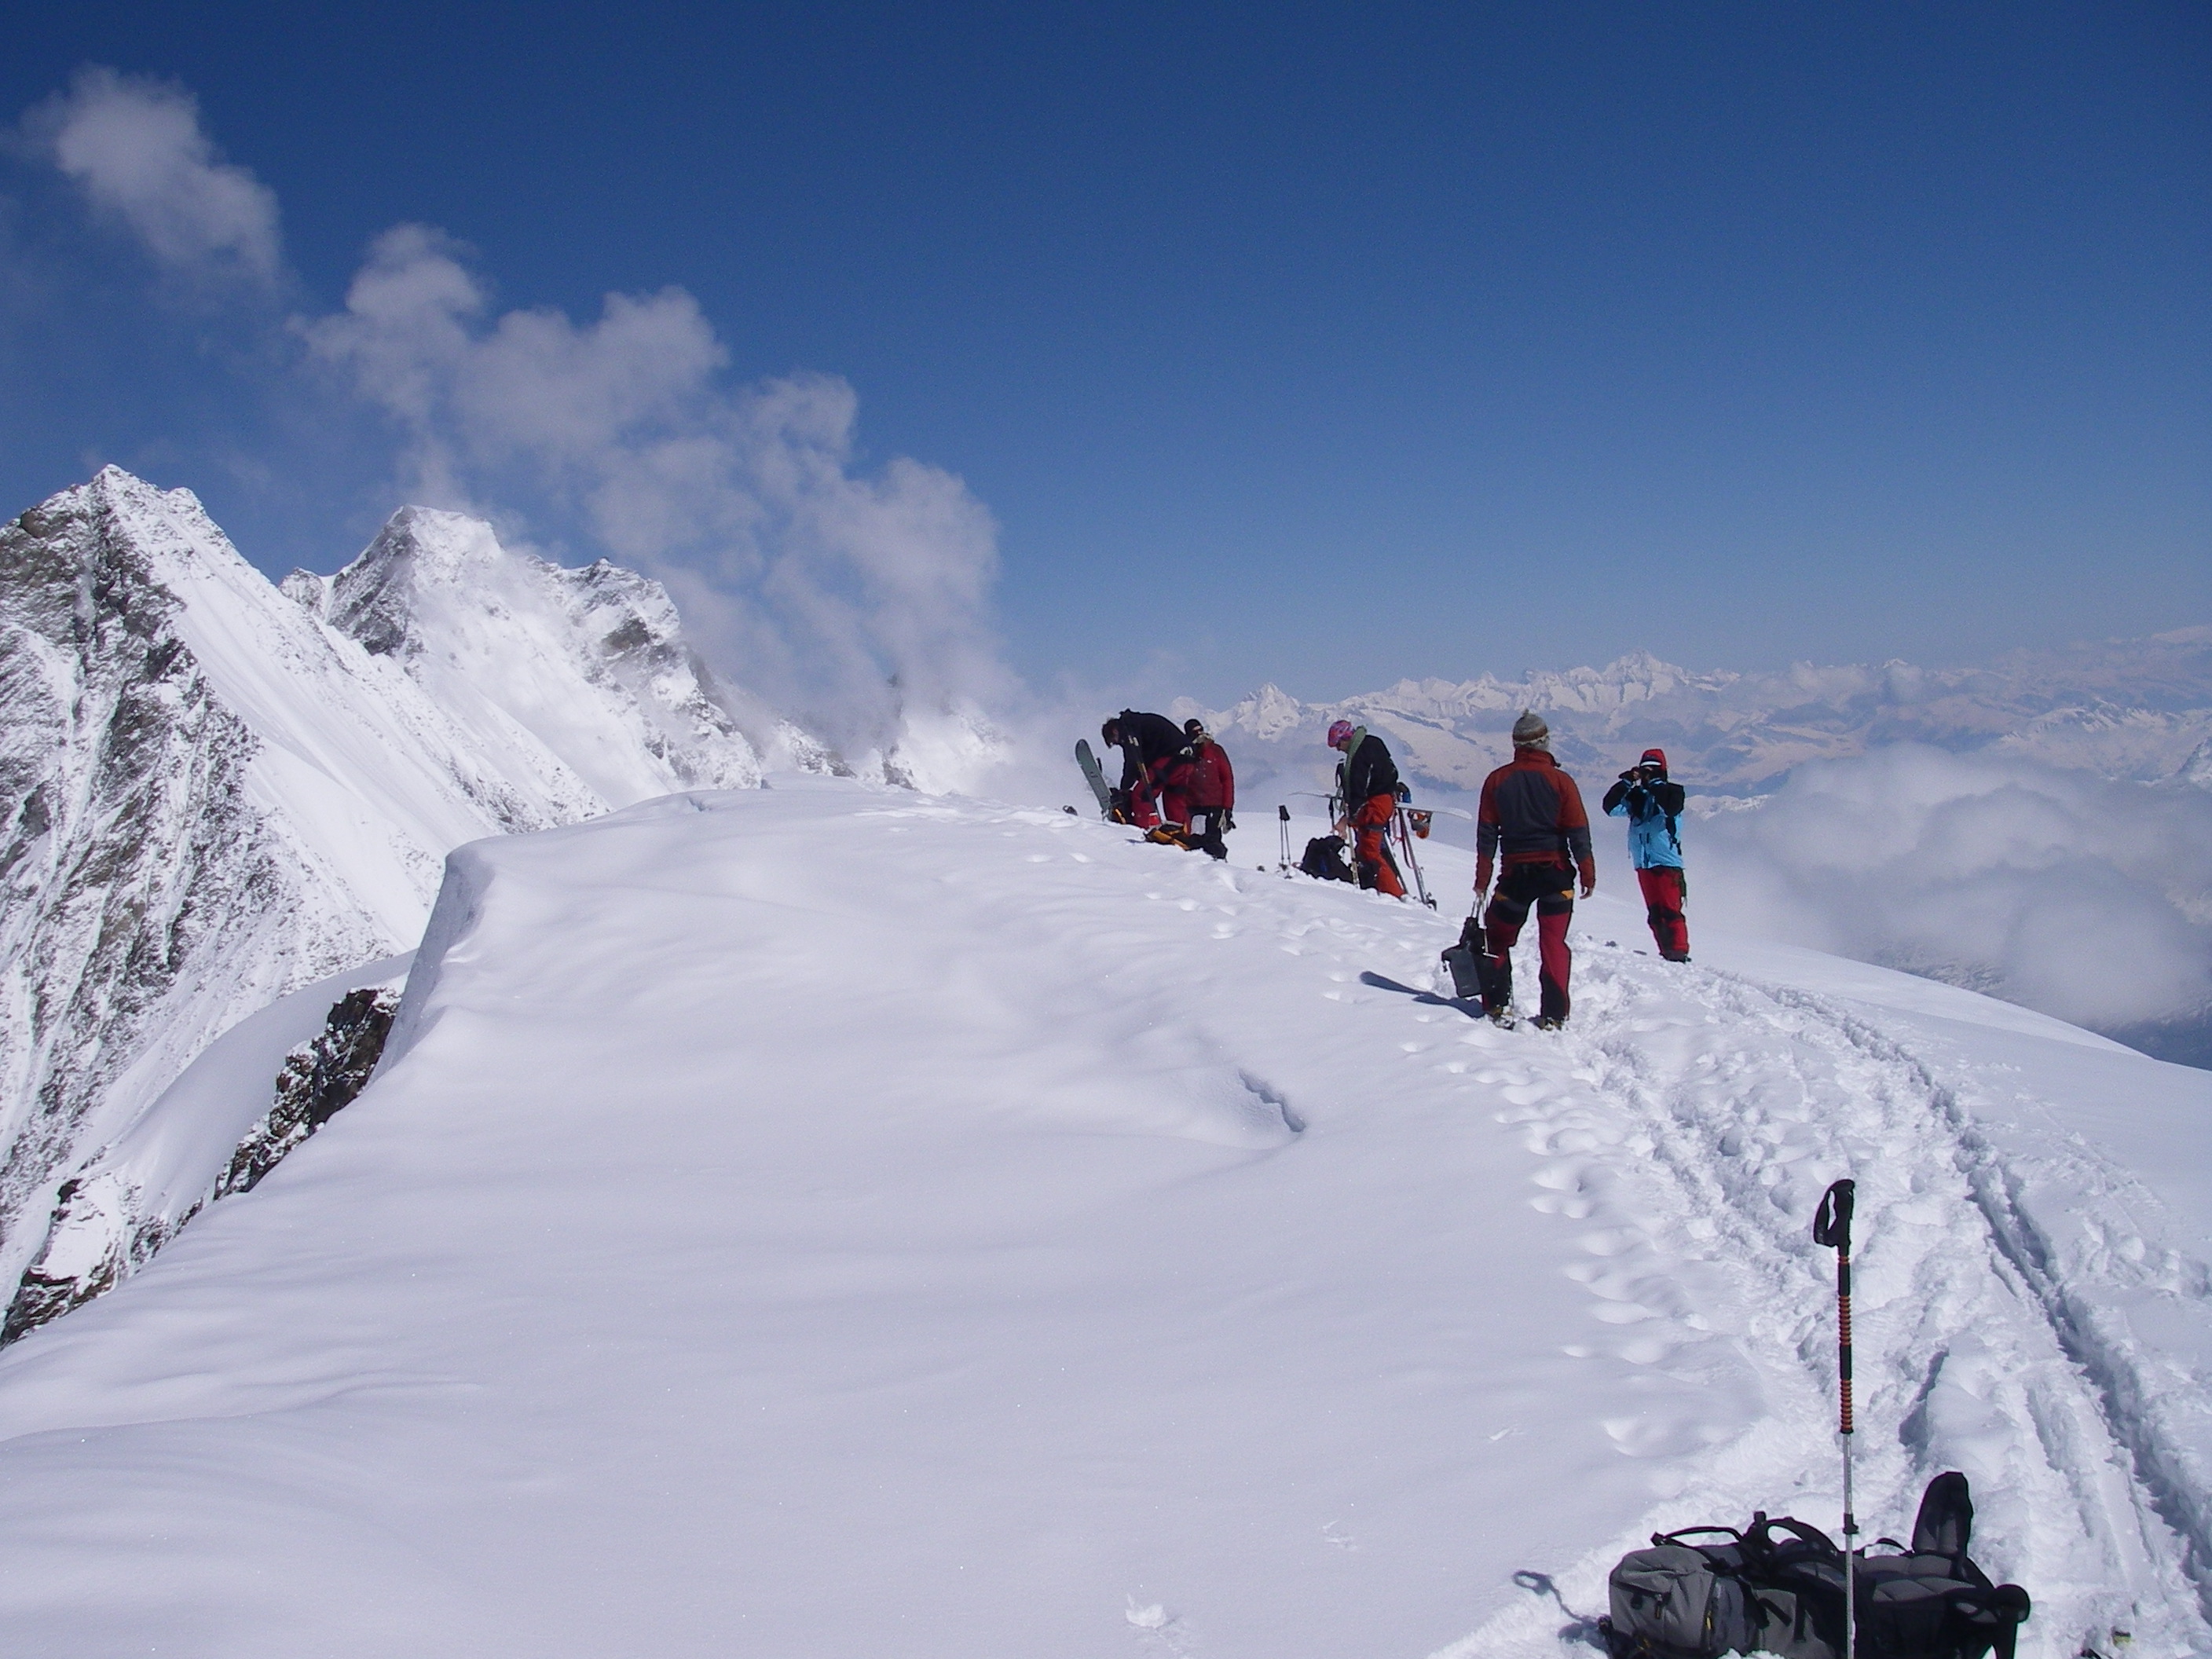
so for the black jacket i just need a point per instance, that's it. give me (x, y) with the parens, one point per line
(1368, 771)
(1147, 738)
(1658, 795)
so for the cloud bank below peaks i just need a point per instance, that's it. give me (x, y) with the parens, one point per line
(2084, 898)
(858, 601)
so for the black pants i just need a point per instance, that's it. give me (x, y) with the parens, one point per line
(1551, 889)
(1205, 831)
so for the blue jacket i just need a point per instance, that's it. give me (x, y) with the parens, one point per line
(1654, 812)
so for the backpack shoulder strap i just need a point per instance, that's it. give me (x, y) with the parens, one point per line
(1760, 1538)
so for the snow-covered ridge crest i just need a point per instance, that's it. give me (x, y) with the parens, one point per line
(213, 793)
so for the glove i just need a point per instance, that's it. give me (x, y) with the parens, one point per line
(1228, 819)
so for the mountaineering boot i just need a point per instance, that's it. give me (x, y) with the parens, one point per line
(1551, 1021)
(1495, 974)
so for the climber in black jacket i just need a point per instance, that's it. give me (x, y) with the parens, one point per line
(1151, 745)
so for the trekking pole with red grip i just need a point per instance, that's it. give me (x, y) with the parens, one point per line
(1832, 1228)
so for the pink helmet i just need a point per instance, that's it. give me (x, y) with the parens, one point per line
(1337, 732)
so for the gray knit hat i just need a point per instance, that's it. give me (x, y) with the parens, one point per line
(1530, 732)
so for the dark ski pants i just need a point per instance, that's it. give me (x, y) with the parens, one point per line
(1205, 831)
(1664, 894)
(1378, 869)
(1550, 888)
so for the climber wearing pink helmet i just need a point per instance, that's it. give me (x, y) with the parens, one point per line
(1367, 783)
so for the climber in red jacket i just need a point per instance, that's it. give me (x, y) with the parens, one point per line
(1206, 790)
(1532, 816)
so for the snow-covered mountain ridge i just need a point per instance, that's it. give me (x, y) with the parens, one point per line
(2133, 708)
(213, 793)
(1109, 1253)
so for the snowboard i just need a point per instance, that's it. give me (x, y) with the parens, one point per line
(1095, 778)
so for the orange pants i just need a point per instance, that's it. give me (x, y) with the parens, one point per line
(1378, 869)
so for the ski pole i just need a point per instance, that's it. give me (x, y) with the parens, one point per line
(1283, 824)
(1832, 1228)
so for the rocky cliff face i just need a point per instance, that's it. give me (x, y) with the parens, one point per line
(213, 793)
(149, 899)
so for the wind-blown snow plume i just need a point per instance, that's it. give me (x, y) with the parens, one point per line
(2084, 898)
(861, 600)
(134, 145)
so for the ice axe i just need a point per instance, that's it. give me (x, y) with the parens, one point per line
(1832, 1229)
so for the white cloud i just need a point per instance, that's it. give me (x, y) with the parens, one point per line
(861, 601)
(2086, 899)
(134, 145)
(858, 601)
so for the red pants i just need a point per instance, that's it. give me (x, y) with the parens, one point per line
(1664, 890)
(1144, 811)
(1378, 869)
(1551, 889)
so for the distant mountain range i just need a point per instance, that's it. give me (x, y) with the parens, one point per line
(2138, 710)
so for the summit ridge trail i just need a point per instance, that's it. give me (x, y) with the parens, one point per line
(1123, 1254)
(1700, 1156)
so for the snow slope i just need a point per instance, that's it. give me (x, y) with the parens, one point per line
(210, 796)
(816, 1220)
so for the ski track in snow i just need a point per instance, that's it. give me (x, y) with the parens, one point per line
(1697, 1159)
(1095, 1009)
(1692, 1162)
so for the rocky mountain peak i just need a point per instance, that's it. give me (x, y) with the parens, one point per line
(379, 598)
(213, 791)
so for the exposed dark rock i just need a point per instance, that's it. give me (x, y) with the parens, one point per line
(318, 1078)
(91, 1244)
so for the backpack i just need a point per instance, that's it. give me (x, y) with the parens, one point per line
(1785, 1594)
(1680, 1600)
(1324, 860)
(1931, 1598)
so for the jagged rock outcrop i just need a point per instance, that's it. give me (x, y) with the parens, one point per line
(318, 1078)
(106, 1225)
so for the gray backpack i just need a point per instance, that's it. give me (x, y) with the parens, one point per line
(1678, 1600)
(1777, 1588)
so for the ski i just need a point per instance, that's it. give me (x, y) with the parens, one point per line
(1096, 778)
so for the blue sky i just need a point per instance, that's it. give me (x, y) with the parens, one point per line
(1324, 344)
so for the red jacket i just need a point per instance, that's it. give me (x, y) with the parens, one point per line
(1532, 812)
(1209, 782)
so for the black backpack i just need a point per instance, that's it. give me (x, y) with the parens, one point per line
(1777, 1586)
(1324, 860)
